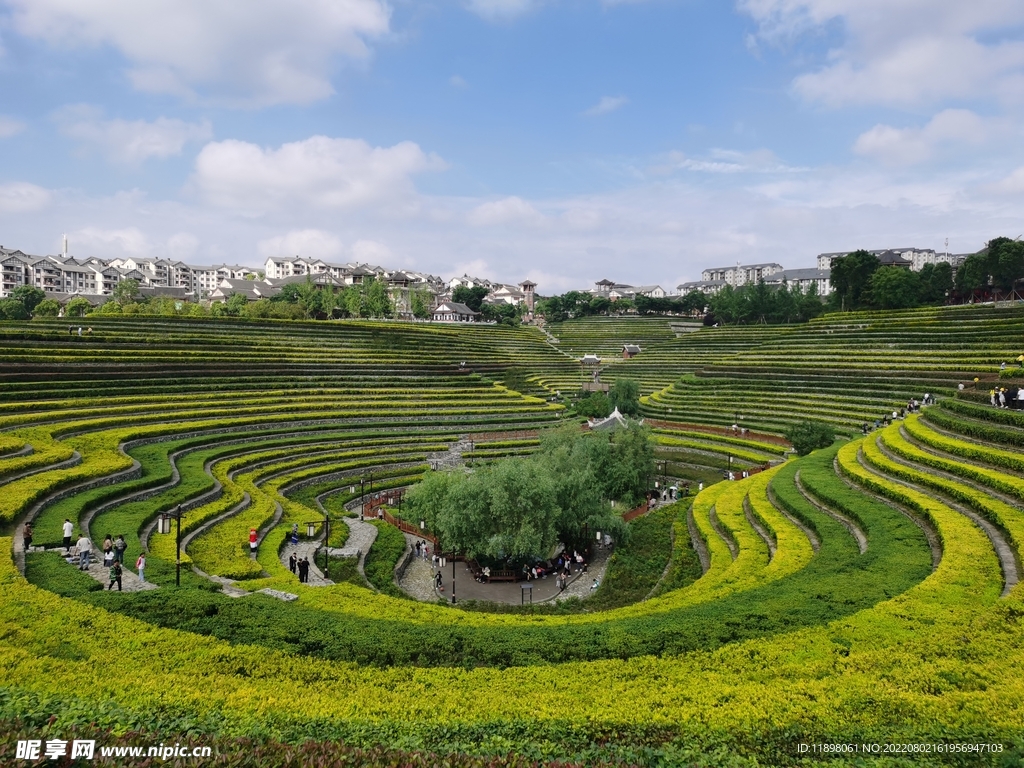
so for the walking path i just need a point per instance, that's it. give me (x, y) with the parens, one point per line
(129, 579)
(418, 582)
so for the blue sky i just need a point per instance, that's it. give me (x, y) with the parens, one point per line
(561, 140)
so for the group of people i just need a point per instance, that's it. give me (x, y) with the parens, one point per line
(113, 553)
(423, 550)
(71, 330)
(1007, 397)
(562, 568)
(300, 566)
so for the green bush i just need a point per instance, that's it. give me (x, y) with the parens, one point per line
(382, 558)
(806, 436)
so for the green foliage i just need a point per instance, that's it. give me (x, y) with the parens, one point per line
(379, 563)
(851, 276)
(47, 308)
(419, 300)
(625, 395)
(125, 292)
(28, 295)
(12, 309)
(504, 314)
(893, 288)
(471, 297)
(759, 303)
(77, 307)
(49, 571)
(519, 508)
(594, 405)
(806, 436)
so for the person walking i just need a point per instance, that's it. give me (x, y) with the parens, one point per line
(253, 535)
(26, 536)
(69, 530)
(108, 551)
(84, 550)
(292, 562)
(140, 566)
(119, 548)
(115, 576)
(303, 571)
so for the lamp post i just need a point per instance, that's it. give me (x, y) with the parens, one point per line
(164, 526)
(311, 532)
(453, 577)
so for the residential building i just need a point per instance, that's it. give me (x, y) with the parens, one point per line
(820, 279)
(740, 274)
(454, 312)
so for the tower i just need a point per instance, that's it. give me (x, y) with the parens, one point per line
(528, 287)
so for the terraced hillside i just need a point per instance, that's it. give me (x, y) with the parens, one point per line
(865, 594)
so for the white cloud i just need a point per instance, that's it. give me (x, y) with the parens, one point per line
(129, 141)
(312, 243)
(108, 243)
(1010, 185)
(909, 146)
(497, 10)
(10, 127)
(607, 104)
(371, 252)
(724, 161)
(254, 53)
(903, 53)
(22, 197)
(320, 172)
(182, 246)
(510, 210)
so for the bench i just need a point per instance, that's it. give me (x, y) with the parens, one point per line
(504, 576)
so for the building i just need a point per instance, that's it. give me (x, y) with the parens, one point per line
(528, 288)
(454, 312)
(914, 259)
(630, 350)
(804, 279)
(709, 287)
(740, 274)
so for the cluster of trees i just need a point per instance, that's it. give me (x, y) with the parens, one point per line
(859, 281)
(505, 314)
(759, 303)
(516, 510)
(999, 265)
(624, 394)
(582, 304)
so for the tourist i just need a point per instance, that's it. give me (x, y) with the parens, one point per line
(438, 582)
(433, 561)
(119, 548)
(487, 573)
(84, 550)
(1002, 398)
(303, 570)
(960, 387)
(140, 566)
(27, 536)
(108, 551)
(417, 550)
(1020, 397)
(69, 529)
(292, 562)
(595, 585)
(253, 537)
(79, 330)
(115, 576)
(992, 397)
(295, 534)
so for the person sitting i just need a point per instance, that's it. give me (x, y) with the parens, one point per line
(486, 573)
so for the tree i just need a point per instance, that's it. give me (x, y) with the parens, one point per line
(894, 288)
(29, 296)
(625, 395)
(125, 292)
(594, 405)
(471, 297)
(1005, 262)
(47, 308)
(809, 435)
(850, 276)
(972, 274)
(12, 309)
(77, 307)
(936, 282)
(419, 302)
(378, 303)
(236, 304)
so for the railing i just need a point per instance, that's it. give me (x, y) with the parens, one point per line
(376, 509)
(633, 514)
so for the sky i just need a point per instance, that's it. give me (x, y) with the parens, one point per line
(564, 141)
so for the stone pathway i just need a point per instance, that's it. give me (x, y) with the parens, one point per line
(306, 549)
(418, 583)
(361, 536)
(451, 458)
(129, 579)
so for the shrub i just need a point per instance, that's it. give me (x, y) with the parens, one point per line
(809, 435)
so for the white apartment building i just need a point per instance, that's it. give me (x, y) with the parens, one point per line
(740, 274)
(917, 257)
